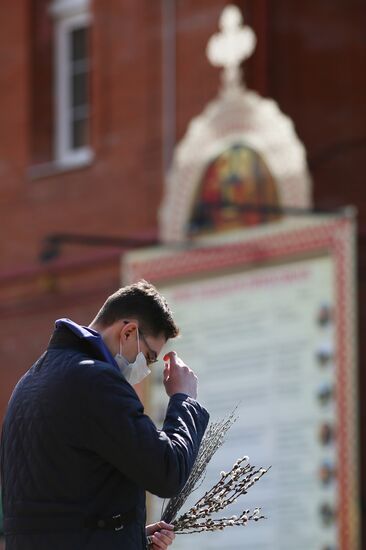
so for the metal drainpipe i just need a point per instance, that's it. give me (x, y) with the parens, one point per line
(168, 80)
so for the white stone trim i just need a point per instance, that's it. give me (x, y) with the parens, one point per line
(62, 9)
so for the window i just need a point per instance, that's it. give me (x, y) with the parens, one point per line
(72, 72)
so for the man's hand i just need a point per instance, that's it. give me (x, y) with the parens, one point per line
(178, 378)
(160, 534)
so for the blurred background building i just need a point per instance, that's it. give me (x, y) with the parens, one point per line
(94, 96)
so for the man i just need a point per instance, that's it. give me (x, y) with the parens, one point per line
(78, 452)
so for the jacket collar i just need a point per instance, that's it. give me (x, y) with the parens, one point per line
(69, 334)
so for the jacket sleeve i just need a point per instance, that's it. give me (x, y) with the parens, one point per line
(118, 430)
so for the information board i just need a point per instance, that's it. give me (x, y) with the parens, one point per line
(269, 336)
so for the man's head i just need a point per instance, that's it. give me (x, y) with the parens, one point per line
(134, 312)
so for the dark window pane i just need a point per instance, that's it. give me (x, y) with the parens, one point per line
(78, 67)
(81, 112)
(79, 84)
(79, 133)
(79, 44)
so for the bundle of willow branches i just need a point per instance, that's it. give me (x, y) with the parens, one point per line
(231, 485)
(212, 440)
(225, 492)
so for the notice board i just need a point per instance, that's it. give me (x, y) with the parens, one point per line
(267, 319)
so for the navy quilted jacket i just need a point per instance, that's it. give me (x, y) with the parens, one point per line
(76, 445)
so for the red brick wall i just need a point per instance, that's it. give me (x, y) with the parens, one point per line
(317, 64)
(13, 120)
(197, 80)
(96, 199)
(30, 305)
(41, 91)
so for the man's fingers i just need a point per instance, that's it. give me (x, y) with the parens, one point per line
(178, 377)
(162, 539)
(165, 376)
(164, 525)
(173, 360)
(169, 535)
(170, 356)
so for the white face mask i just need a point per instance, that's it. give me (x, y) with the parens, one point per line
(133, 372)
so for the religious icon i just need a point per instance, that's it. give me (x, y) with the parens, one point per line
(325, 394)
(327, 514)
(325, 315)
(327, 472)
(326, 433)
(237, 189)
(325, 354)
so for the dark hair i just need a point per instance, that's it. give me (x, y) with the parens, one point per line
(143, 302)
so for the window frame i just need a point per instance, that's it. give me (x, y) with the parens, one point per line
(68, 17)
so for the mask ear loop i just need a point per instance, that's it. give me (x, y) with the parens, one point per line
(120, 345)
(138, 340)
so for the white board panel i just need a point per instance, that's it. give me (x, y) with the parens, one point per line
(265, 339)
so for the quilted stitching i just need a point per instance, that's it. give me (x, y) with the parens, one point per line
(53, 466)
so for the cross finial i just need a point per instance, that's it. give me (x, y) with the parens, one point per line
(231, 46)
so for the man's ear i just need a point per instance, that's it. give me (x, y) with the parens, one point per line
(128, 330)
